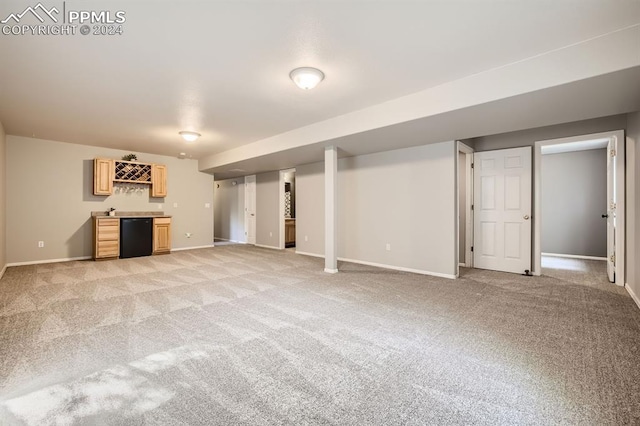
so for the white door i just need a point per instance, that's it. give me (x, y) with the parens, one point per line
(611, 208)
(250, 208)
(502, 210)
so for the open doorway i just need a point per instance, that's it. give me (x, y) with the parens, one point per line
(228, 211)
(288, 208)
(465, 205)
(579, 203)
(573, 207)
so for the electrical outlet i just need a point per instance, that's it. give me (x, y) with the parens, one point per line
(188, 234)
(388, 247)
(40, 244)
(271, 234)
(159, 206)
(175, 204)
(207, 205)
(306, 238)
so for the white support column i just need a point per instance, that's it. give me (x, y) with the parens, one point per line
(330, 209)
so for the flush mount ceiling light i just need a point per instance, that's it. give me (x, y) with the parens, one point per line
(189, 136)
(306, 78)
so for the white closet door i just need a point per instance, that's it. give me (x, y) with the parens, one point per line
(502, 210)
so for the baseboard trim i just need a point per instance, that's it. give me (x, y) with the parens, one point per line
(574, 256)
(632, 294)
(192, 248)
(304, 253)
(4, 268)
(462, 265)
(267, 247)
(330, 271)
(230, 241)
(381, 265)
(70, 259)
(40, 262)
(399, 268)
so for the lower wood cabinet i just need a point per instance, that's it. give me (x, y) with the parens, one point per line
(106, 238)
(289, 231)
(161, 235)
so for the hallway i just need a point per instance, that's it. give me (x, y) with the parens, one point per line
(591, 273)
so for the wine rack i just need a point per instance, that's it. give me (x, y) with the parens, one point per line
(131, 172)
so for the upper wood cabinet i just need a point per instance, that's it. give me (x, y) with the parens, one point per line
(103, 175)
(158, 180)
(107, 171)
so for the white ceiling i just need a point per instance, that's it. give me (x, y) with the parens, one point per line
(221, 68)
(596, 97)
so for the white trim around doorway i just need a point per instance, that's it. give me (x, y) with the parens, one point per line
(281, 208)
(620, 231)
(465, 149)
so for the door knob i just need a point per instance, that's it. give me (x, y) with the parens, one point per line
(526, 217)
(604, 216)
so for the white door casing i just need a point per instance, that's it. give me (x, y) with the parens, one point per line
(281, 209)
(468, 202)
(502, 210)
(250, 209)
(611, 208)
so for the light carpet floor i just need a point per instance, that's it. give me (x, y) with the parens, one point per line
(242, 335)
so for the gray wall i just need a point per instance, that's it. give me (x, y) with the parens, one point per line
(228, 203)
(633, 203)
(405, 198)
(268, 218)
(50, 199)
(3, 199)
(310, 209)
(573, 198)
(530, 136)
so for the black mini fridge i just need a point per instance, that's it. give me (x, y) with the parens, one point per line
(136, 237)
